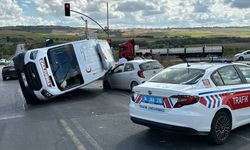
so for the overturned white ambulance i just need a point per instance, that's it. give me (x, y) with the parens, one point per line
(51, 71)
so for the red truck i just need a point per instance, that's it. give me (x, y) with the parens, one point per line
(127, 49)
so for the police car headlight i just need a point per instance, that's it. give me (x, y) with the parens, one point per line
(182, 100)
(33, 55)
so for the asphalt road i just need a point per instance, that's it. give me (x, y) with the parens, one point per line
(88, 118)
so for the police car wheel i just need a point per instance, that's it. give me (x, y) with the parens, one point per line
(220, 128)
(133, 84)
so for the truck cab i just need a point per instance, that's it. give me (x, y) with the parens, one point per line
(127, 50)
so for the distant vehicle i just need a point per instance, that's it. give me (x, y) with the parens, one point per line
(51, 71)
(242, 56)
(9, 71)
(2, 61)
(186, 51)
(206, 99)
(129, 50)
(130, 74)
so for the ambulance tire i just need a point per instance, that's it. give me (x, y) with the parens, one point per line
(220, 128)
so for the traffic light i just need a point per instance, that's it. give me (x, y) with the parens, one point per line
(67, 9)
(109, 42)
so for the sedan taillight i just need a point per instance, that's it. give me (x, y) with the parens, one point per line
(140, 74)
(182, 100)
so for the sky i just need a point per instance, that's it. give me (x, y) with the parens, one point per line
(128, 13)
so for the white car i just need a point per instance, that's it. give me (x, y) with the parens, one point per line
(132, 73)
(242, 56)
(199, 98)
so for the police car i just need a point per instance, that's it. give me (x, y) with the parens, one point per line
(199, 98)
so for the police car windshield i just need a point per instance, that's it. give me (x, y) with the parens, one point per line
(65, 67)
(185, 76)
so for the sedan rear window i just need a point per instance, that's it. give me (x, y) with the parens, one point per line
(179, 76)
(151, 65)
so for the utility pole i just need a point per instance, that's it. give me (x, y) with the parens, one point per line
(86, 27)
(108, 19)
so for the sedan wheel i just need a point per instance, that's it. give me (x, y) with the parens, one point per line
(241, 58)
(220, 128)
(133, 84)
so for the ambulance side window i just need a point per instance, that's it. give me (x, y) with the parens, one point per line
(229, 75)
(217, 79)
(245, 71)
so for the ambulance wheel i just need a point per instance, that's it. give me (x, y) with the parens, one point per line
(133, 84)
(220, 128)
(106, 85)
(4, 78)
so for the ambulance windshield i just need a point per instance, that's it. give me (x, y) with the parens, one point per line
(65, 67)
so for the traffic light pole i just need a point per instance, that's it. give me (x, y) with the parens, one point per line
(86, 27)
(107, 32)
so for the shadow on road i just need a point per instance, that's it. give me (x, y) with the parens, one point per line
(157, 139)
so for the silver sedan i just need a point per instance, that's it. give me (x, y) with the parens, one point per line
(130, 74)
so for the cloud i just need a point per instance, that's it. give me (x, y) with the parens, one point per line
(132, 6)
(238, 3)
(201, 7)
(129, 13)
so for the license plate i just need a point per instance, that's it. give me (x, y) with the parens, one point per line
(12, 69)
(152, 100)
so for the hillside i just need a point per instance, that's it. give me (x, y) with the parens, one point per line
(233, 38)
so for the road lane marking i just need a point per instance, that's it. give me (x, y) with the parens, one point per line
(86, 134)
(242, 137)
(11, 117)
(72, 135)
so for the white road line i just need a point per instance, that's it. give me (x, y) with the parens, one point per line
(242, 137)
(86, 134)
(11, 117)
(72, 135)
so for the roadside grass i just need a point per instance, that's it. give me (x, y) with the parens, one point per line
(143, 37)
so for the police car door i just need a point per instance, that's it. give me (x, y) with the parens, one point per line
(232, 91)
(245, 72)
